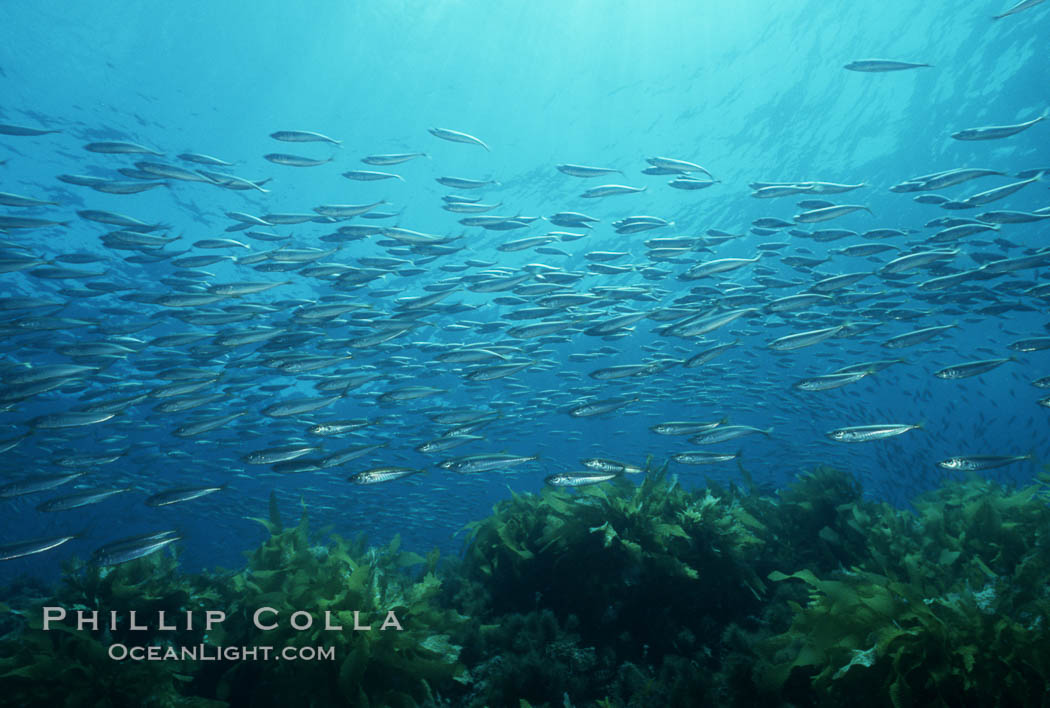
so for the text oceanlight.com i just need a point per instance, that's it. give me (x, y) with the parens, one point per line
(205, 652)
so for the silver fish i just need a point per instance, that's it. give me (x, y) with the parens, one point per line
(456, 136)
(867, 433)
(996, 132)
(805, 339)
(21, 549)
(578, 479)
(378, 475)
(975, 463)
(1020, 6)
(700, 457)
(970, 368)
(120, 148)
(681, 427)
(828, 213)
(727, 432)
(393, 158)
(132, 548)
(669, 163)
(280, 158)
(585, 170)
(37, 483)
(880, 65)
(303, 136)
(609, 190)
(829, 381)
(79, 499)
(204, 159)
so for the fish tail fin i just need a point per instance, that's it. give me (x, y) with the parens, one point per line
(921, 425)
(400, 177)
(767, 432)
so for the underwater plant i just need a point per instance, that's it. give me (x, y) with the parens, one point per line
(646, 569)
(71, 667)
(288, 572)
(358, 586)
(951, 608)
(626, 595)
(812, 520)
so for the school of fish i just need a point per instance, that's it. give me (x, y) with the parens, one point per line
(341, 342)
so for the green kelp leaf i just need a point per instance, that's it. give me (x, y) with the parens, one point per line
(687, 570)
(261, 576)
(886, 636)
(984, 568)
(462, 675)
(634, 549)
(559, 504)
(409, 558)
(275, 514)
(745, 517)
(608, 533)
(900, 694)
(439, 644)
(808, 655)
(358, 579)
(670, 530)
(395, 544)
(273, 530)
(947, 557)
(512, 543)
(429, 583)
(879, 600)
(805, 576)
(861, 657)
(432, 559)
(352, 669)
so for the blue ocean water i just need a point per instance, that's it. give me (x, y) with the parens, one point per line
(750, 91)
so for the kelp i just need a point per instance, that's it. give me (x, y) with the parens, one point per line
(71, 667)
(638, 565)
(950, 608)
(288, 572)
(357, 587)
(813, 520)
(631, 594)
